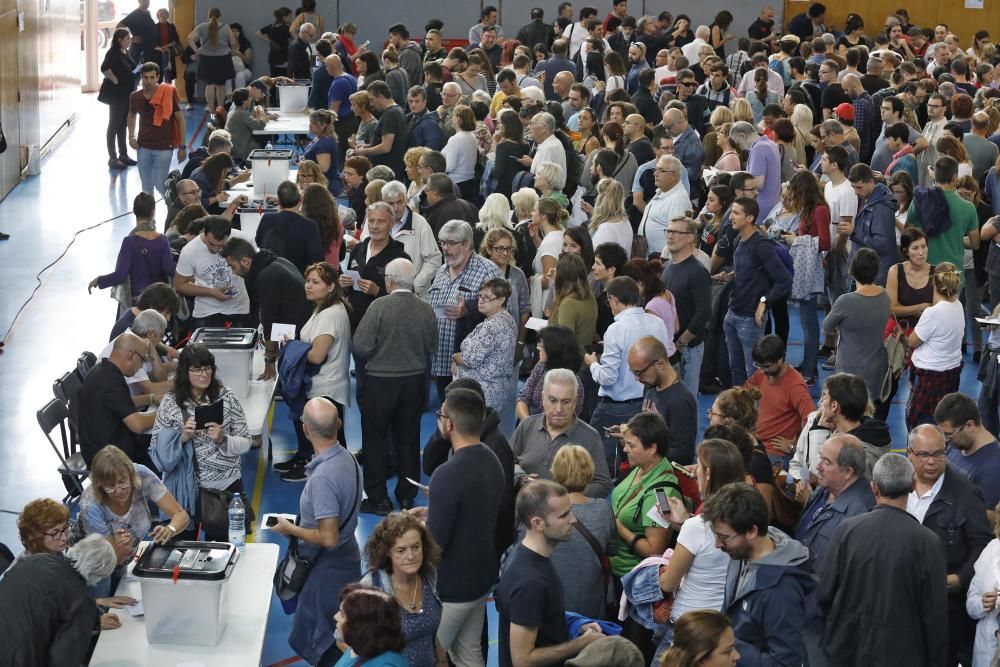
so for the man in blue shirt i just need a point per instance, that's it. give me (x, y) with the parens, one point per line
(760, 279)
(687, 147)
(557, 63)
(619, 392)
(338, 100)
(972, 449)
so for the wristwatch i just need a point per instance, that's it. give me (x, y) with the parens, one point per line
(763, 300)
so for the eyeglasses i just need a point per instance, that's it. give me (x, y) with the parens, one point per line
(442, 415)
(201, 370)
(948, 435)
(724, 539)
(120, 486)
(640, 372)
(924, 456)
(447, 243)
(712, 413)
(666, 171)
(56, 533)
(686, 84)
(486, 298)
(502, 249)
(677, 231)
(935, 106)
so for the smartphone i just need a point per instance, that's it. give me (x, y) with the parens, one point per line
(661, 500)
(272, 521)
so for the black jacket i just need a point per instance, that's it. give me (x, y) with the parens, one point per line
(438, 449)
(49, 616)
(536, 32)
(373, 270)
(882, 593)
(277, 292)
(958, 517)
(300, 60)
(448, 208)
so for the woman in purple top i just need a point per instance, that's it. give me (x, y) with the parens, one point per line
(144, 257)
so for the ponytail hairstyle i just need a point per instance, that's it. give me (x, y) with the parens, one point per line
(214, 14)
(280, 14)
(553, 213)
(328, 275)
(739, 406)
(324, 117)
(760, 84)
(946, 280)
(696, 636)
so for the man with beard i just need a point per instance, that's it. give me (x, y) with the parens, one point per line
(785, 402)
(973, 448)
(768, 578)
(529, 596)
(666, 395)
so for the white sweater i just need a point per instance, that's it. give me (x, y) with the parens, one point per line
(460, 156)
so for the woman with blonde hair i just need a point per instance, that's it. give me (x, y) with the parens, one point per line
(361, 103)
(319, 205)
(936, 341)
(720, 116)
(524, 202)
(323, 149)
(952, 147)
(309, 173)
(802, 119)
(609, 222)
(548, 221)
(494, 214)
(550, 179)
(729, 157)
(574, 305)
(212, 41)
(411, 162)
(741, 110)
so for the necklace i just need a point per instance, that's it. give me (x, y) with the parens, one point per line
(413, 599)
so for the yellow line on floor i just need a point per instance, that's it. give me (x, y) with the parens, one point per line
(258, 486)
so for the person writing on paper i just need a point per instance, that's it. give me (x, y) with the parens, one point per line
(116, 505)
(328, 517)
(217, 445)
(49, 616)
(43, 527)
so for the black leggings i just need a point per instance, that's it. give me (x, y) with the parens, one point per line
(117, 125)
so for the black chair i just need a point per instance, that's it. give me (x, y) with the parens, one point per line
(67, 387)
(55, 415)
(85, 364)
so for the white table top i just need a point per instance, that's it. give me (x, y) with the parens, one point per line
(247, 604)
(257, 404)
(287, 123)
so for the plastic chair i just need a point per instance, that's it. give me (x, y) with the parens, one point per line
(85, 364)
(55, 415)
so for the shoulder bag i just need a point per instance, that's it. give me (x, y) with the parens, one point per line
(293, 570)
(609, 605)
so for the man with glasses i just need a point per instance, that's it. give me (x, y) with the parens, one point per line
(220, 297)
(870, 580)
(768, 578)
(891, 112)
(443, 204)
(108, 413)
(933, 130)
(619, 392)
(785, 403)
(950, 506)
(539, 437)
(666, 395)
(688, 280)
(972, 448)
(416, 235)
(671, 201)
(454, 294)
(699, 109)
(451, 95)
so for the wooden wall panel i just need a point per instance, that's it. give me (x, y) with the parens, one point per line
(10, 161)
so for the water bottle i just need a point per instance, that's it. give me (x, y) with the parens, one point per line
(268, 147)
(237, 523)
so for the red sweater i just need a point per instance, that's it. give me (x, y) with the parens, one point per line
(784, 406)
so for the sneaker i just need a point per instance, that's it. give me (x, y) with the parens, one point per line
(4, 237)
(381, 507)
(127, 160)
(297, 474)
(826, 351)
(830, 363)
(811, 381)
(115, 163)
(285, 466)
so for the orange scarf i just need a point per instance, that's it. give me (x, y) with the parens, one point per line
(162, 102)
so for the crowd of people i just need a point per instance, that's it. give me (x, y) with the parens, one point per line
(621, 212)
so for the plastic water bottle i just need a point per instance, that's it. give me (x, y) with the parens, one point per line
(268, 147)
(237, 523)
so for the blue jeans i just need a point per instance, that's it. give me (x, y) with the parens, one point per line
(611, 414)
(154, 166)
(689, 367)
(742, 333)
(810, 336)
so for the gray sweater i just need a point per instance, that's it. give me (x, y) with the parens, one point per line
(397, 335)
(861, 322)
(241, 125)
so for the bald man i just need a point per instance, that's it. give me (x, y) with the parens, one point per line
(667, 395)
(108, 413)
(561, 85)
(547, 70)
(687, 146)
(638, 144)
(865, 117)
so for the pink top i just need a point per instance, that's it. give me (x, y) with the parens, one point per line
(666, 311)
(730, 161)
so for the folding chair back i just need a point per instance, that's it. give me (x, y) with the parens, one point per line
(55, 415)
(85, 364)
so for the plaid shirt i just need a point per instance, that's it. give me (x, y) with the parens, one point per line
(445, 291)
(864, 123)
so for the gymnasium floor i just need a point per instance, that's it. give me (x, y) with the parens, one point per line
(77, 211)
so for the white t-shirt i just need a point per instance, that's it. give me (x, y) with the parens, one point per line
(141, 375)
(704, 585)
(211, 270)
(551, 246)
(941, 329)
(615, 232)
(333, 378)
(843, 202)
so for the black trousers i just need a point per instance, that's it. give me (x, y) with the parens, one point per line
(117, 126)
(305, 447)
(392, 405)
(345, 129)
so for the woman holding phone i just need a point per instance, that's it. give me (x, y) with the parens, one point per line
(218, 445)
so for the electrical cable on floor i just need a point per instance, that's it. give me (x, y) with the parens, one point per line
(38, 276)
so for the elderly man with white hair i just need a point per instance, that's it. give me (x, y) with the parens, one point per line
(548, 148)
(451, 96)
(764, 162)
(300, 53)
(412, 230)
(701, 36)
(671, 201)
(454, 294)
(397, 336)
(50, 614)
(538, 437)
(151, 380)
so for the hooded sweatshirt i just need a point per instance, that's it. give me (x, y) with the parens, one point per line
(767, 608)
(874, 434)
(411, 59)
(875, 228)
